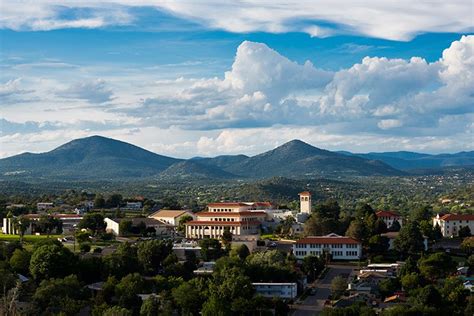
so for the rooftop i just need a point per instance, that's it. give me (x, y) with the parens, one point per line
(387, 214)
(457, 217)
(169, 213)
(328, 239)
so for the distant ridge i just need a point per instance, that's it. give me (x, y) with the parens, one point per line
(101, 158)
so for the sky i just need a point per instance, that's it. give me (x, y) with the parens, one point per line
(204, 78)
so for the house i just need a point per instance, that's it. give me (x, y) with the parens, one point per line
(393, 235)
(279, 290)
(205, 268)
(171, 217)
(133, 205)
(44, 206)
(242, 219)
(451, 223)
(389, 217)
(339, 247)
(160, 228)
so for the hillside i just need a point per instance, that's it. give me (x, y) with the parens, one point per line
(410, 160)
(299, 159)
(95, 158)
(98, 158)
(190, 169)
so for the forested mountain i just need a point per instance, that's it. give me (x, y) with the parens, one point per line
(100, 158)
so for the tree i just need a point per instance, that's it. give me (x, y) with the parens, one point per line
(409, 240)
(388, 286)
(94, 222)
(427, 296)
(437, 234)
(227, 237)
(21, 224)
(182, 221)
(358, 230)
(338, 286)
(464, 231)
(82, 236)
(411, 282)
(151, 254)
(125, 227)
(467, 245)
(241, 251)
(312, 266)
(127, 290)
(47, 224)
(117, 311)
(99, 201)
(453, 291)
(378, 244)
(51, 261)
(188, 298)
(57, 296)
(436, 266)
(210, 249)
(20, 261)
(115, 200)
(150, 307)
(123, 261)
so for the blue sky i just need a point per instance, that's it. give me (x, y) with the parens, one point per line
(186, 79)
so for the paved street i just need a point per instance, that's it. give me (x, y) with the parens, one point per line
(314, 304)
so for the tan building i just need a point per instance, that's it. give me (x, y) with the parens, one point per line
(171, 217)
(451, 223)
(305, 202)
(242, 219)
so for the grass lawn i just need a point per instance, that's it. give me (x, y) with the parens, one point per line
(268, 236)
(27, 238)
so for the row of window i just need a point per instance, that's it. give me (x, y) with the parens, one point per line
(336, 253)
(220, 219)
(332, 246)
(221, 210)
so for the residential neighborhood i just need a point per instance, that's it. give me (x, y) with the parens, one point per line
(282, 261)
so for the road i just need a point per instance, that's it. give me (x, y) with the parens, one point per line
(313, 304)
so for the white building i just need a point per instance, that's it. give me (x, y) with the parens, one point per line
(161, 229)
(389, 217)
(451, 223)
(44, 206)
(171, 217)
(69, 222)
(133, 205)
(339, 247)
(279, 290)
(241, 218)
(305, 202)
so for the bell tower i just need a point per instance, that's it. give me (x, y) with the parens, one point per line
(305, 202)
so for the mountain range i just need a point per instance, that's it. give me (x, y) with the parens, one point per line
(101, 158)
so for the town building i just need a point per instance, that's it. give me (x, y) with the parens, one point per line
(133, 205)
(242, 219)
(44, 206)
(451, 223)
(393, 235)
(160, 228)
(339, 247)
(305, 202)
(171, 217)
(279, 290)
(389, 217)
(69, 222)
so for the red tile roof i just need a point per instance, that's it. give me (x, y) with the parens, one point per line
(231, 214)
(305, 193)
(458, 217)
(229, 204)
(32, 216)
(265, 204)
(327, 240)
(387, 214)
(217, 223)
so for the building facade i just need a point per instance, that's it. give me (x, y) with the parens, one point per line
(338, 247)
(242, 219)
(305, 202)
(451, 223)
(160, 228)
(279, 290)
(171, 217)
(389, 217)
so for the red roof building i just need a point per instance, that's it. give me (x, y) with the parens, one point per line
(339, 247)
(450, 224)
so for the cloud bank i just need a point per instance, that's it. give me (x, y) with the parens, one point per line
(395, 20)
(263, 100)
